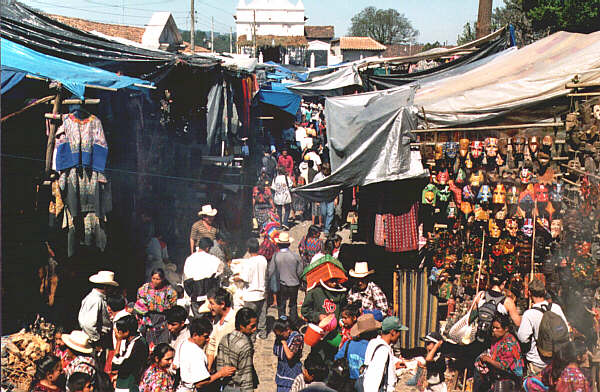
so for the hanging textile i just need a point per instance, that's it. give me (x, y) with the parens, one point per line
(81, 142)
(379, 237)
(417, 306)
(401, 231)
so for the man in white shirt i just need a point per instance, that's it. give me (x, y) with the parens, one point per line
(193, 361)
(313, 156)
(530, 325)
(254, 273)
(93, 317)
(178, 331)
(220, 301)
(200, 273)
(379, 353)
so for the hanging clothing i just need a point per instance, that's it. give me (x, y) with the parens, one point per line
(401, 231)
(379, 237)
(81, 142)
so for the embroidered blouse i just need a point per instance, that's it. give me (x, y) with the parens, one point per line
(150, 299)
(81, 142)
(156, 379)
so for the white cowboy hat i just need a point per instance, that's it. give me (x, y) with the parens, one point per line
(360, 270)
(78, 341)
(207, 210)
(284, 238)
(104, 277)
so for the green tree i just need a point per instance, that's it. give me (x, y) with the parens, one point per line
(512, 13)
(431, 45)
(201, 37)
(469, 34)
(578, 16)
(385, 26)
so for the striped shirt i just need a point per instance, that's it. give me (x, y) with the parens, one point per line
(236, 349)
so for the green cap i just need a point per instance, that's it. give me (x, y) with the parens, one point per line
(392, 323)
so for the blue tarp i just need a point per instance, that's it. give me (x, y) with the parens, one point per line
(18, 59)
(281, 70)
(278, 95)
(10, 79)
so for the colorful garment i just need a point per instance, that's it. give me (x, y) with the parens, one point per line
(81, 143)
(288, 370)
(379, 232)
(41, 388)
(150, 305)
(267, 249)
(156, 379)
(401, 231)
(572, 380)
(309, 247)
(371, 298)
(81, 364)
(507, 352)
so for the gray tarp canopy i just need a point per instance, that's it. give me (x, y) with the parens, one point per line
(330, 85)
(369, 141)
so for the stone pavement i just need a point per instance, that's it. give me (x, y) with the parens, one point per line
(264, 360)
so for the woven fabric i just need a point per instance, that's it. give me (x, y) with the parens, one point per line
(417, 307)
(379, 232)
(401, 231)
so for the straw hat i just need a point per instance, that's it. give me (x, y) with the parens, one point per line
(78, 341)
(360, 270)
(284, 238)
(365, 323)
(207, 210)
(104, 277)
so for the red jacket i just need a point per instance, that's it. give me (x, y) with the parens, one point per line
(288, 163)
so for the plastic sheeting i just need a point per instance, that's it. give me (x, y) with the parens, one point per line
(331, 85)
(73, 76)
(10, 79)
(278, 95)
(43, 34)
(288, 73)
(369, 141)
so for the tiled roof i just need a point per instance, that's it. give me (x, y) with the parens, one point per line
(269, 40)
(399, 50)
(359, 43)
(318, 32)
(130, 33)
(197, 48)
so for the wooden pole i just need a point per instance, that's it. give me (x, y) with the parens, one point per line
(480, 262)
(484, 19)
(396, 304)
(52, 132)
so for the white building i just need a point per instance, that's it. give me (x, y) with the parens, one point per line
(270, 17)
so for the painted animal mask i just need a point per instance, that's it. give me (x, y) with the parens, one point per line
(527, 228)
(452, 210)
(429, 195)
(494, 230)
(499, 194)
(534, 144)
(476, 149)
(491, 146)
(476, 179)
(439, 151)
(444, 193)
(466, 208)
(485, 195)
(461, 177)
(541, 193)
(556, 228)
(519, 145)
(451, 149)
(443, 177)
(556, 194)
(512, 196)
(512, 227)
(525, 175)
(467, 193)
(463, 147)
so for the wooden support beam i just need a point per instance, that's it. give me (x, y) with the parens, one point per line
(582, 85)
(490, 127)
(89, 101)
(595, 94)
(52, 131)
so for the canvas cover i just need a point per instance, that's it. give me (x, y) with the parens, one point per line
(369, 141)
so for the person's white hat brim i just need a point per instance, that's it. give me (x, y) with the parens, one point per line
(360, 270)
(104, 277)
(78, 341)
(207, 210)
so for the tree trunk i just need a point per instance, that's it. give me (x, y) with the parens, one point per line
(484, 18)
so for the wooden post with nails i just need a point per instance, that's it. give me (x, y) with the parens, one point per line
(52, 130)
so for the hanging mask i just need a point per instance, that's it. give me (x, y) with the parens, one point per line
(502, 147)
(443, 177)
(547, 143)
(439, 151)
(556, 193)
(461, 177)
(481, 213)
(525, 175)
(499, 194)
(456, 191)
(544, 223)
(485, 195)
(476, 149)
(444, 193)
(512, 196)
(527, 198)
(496, 248)
(499, 160)
(469, 162)
(451, 149)
(495, 232)
(466, 208)
(476, 179)
(463, 147)
(584, 248)
(467, 193)
(534, 144)
(509, 265)
(452, 211)
(501, 214)
(556, 228)
(509, 248)
(519, 145)
(512, 227)
(438, 260)
(597, 112)
(491, 146)
(541, 193)
(527, 228)
(429, 195)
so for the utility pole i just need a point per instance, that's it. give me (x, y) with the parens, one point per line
(254, 34)
(230, 40)
(484, 19)
(192, 28)
(212, 34)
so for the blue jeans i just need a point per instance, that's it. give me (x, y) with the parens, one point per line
(283, 210)
(327, 210)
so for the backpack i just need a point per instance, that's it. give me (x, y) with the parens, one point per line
(339, 378)
(359, 385)
(551, 333)
(486, 313)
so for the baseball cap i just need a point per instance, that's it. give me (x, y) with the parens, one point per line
(432, 337)
(392, 323)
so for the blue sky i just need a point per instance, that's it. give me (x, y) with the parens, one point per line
(436, 20)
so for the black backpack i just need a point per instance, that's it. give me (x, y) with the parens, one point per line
(339, 378)
(552, 332)
(486, 314)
